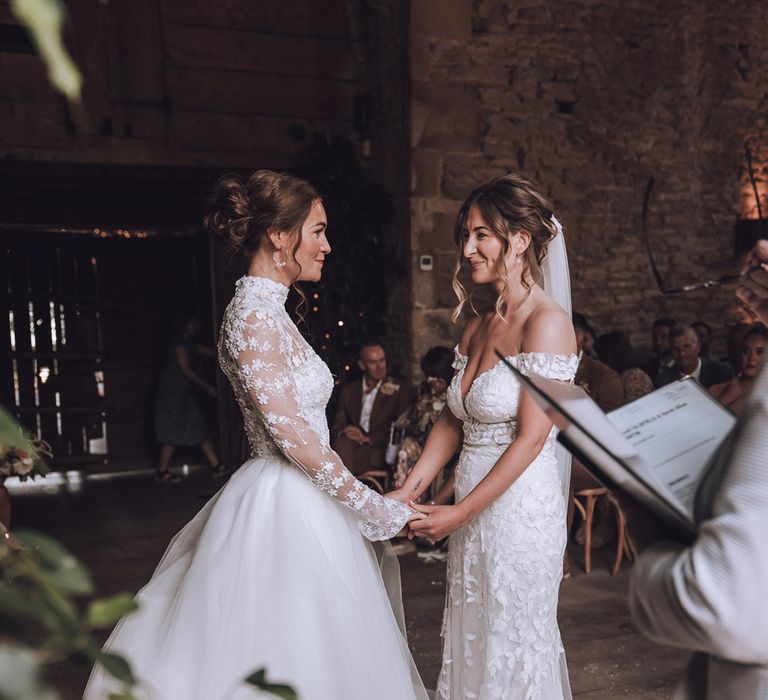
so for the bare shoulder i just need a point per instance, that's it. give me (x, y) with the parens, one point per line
(468, 333)
(549, 329)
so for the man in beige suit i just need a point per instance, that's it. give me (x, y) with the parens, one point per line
(712, 597)
(366, 410)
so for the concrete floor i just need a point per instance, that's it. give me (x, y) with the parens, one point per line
(120, 529)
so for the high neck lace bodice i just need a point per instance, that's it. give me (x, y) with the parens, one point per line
(283, 388)
(263, 289)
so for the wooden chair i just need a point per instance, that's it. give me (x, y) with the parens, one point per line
(377, 479)
(587, 511)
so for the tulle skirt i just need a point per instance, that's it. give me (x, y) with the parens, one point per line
(271, 573)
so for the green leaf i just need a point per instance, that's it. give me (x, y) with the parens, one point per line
(11, 433)
(106, 612)
(116, 666)
(44, 20)
(15, 602)
(259, 680)
(59, 614)
(73, 579)
(49, 551)
(63, 570)
(121, 696)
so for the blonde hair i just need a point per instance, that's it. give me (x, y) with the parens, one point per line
(508, 204)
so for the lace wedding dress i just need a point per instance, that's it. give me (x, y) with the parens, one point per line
(500, 634)
(273, 572)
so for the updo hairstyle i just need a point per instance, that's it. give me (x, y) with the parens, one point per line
(507, 204)
(242, 211)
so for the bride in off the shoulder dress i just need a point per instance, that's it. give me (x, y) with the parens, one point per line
(508, 525)
(273, 572)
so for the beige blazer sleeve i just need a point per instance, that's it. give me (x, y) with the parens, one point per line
(712, 597)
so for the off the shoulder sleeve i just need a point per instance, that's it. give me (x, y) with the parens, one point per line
(549, 365)
(459, 360)
(263, 350)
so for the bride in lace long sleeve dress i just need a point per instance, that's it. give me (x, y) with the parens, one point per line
(508, 527)
(276, 570)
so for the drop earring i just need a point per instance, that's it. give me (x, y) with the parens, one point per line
(280, 263)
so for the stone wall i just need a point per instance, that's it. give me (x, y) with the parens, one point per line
(592, 100)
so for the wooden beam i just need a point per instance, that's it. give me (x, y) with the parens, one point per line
(247, 50)
(215, 90)
(292, 17)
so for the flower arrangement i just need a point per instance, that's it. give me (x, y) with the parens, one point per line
(25, 459)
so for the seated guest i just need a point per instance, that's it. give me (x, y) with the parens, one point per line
(685, 350)
(588, 343)
(662, 347)
(601, 382)
(605, 387)
(615, 350)
(366, 410)
(733, 344)
(414, 427)
(709, 597)
(705, 337)
(731, 394)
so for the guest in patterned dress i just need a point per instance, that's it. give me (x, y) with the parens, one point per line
(436, 365)
(615, 350)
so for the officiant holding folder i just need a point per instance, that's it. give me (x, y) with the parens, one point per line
(710, 597)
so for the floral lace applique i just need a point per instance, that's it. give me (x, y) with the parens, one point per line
(282, 388)
(501, 640)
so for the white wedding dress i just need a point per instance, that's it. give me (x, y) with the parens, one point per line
(274, 571)
(500, 634)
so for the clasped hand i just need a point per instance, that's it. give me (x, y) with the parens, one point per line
(356, 434)
(428, 521)
(437, 522)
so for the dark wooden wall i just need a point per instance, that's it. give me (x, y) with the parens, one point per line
(231, 82)
(175, 93)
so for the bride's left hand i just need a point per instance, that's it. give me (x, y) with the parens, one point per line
(439, 521)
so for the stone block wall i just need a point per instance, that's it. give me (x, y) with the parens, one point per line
(592, 100)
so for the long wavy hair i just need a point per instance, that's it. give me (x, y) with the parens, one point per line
(508, 204)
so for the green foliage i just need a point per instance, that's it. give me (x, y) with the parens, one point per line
(11, 433)
(44, 19)
(43, 619)
(259, 680)
(103, 614)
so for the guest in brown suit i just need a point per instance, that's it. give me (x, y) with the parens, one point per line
(366, 409)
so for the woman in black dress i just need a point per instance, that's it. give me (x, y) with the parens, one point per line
(179, 419)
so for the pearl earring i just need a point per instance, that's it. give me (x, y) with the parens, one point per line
(280, 263)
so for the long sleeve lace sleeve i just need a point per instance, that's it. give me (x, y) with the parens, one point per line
(267, 355)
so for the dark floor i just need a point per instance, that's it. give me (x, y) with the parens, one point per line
(120, 529)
